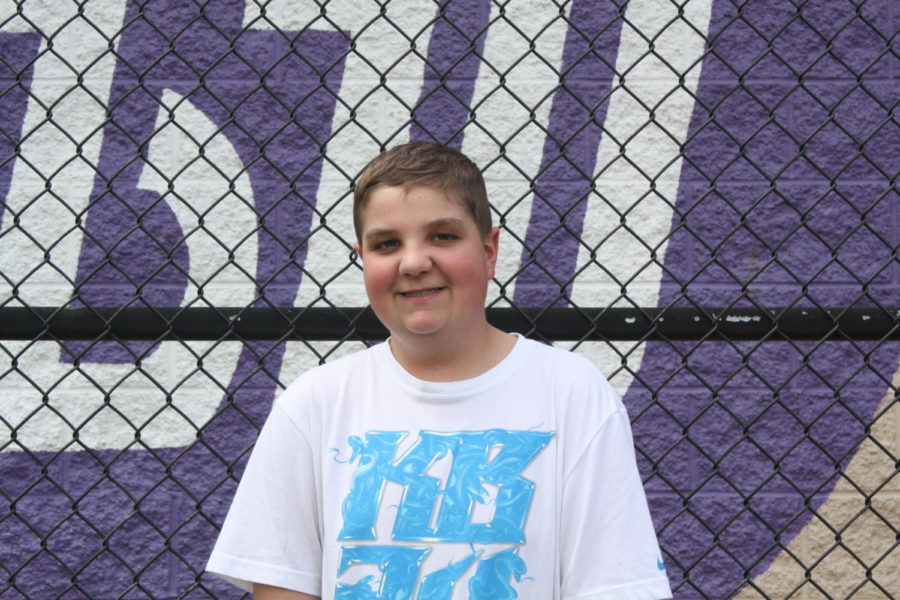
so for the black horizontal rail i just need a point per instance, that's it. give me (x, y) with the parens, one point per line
(556, 324)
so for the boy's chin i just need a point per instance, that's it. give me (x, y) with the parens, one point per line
(422, 325)
(418, 329)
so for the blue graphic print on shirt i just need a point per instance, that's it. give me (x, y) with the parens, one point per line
(496, 457)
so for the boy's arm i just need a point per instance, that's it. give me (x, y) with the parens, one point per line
(268, 592)
(271, 533)
(609, 548)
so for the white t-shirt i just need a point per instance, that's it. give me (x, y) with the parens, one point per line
(368, 483)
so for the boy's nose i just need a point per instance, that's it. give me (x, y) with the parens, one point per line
(415, 261)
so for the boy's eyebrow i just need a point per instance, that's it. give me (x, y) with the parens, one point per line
(379, 233)
(447, 222)
(437, 223)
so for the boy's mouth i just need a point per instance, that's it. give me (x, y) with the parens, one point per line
(420, 293)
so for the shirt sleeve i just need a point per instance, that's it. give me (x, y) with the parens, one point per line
(272, 532)
(609, 549)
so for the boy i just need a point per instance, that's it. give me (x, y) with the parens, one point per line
(453, 461)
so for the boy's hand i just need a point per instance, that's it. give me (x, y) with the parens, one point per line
(268, 592)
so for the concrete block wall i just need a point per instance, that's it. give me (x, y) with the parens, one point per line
(707, 154)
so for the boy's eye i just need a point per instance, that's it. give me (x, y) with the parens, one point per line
(445, 237)
(385, 244)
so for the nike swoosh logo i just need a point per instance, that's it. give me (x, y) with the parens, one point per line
(660, 565)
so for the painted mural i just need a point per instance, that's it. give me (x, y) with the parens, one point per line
(708, 153)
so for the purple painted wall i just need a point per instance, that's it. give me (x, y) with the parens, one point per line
(786, 198)
(128, 503)
(17, 54)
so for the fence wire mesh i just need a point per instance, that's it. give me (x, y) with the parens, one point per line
(736, 160)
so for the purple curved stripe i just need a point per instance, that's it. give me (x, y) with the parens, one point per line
(786, 198)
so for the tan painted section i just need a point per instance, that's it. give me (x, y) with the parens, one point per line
(844, 527)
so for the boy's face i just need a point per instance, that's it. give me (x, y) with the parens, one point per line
(426, 267)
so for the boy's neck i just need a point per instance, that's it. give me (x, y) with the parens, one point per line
(452, 360)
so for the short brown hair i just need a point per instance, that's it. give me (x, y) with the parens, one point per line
(429, 164)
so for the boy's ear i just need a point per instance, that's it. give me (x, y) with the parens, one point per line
(358, 249)
(491, 249)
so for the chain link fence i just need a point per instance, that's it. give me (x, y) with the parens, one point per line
(700, 196)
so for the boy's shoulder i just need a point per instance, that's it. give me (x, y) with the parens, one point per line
(560, 356)
(336, 370)
(562, 364)
(575, 382)
(317, 387)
